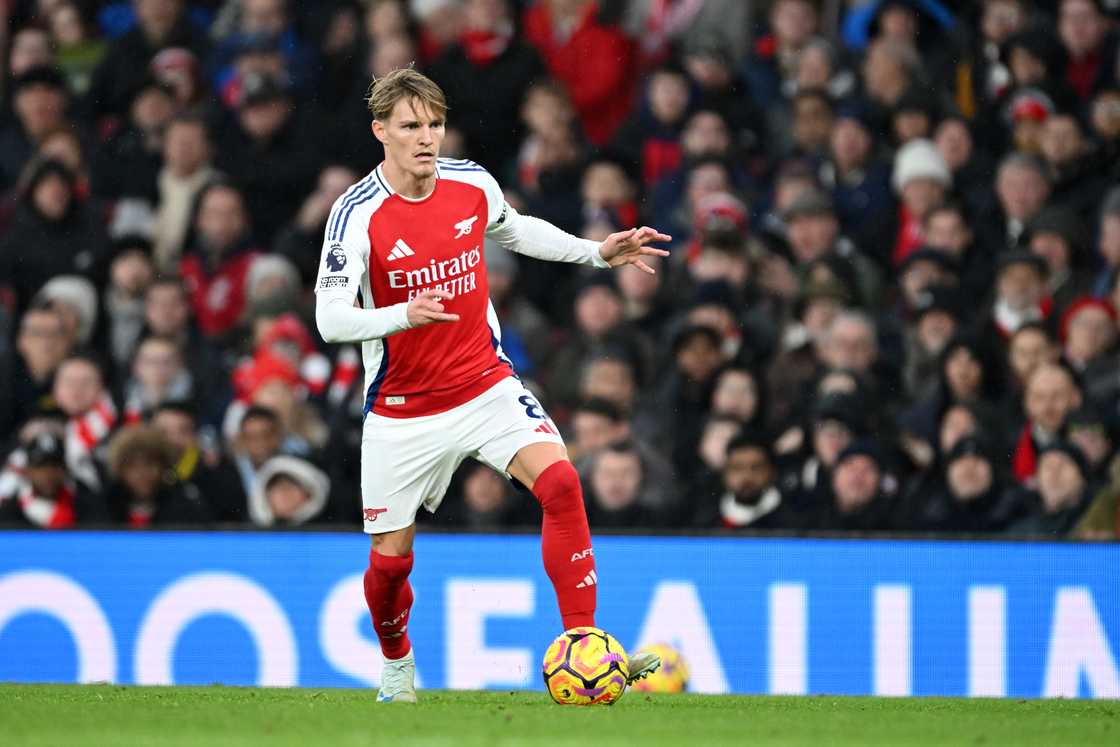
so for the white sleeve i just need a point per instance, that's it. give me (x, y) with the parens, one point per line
(345, 259)
(538, 238)
(531, 236)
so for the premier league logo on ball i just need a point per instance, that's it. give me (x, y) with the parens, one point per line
(336, 258)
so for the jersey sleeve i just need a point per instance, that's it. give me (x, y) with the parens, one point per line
(344, 256)
(343, 262)
(531, 236)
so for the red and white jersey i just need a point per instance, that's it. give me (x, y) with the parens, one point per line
(386, 249)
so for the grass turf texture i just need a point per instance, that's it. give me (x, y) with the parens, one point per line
(77, 715)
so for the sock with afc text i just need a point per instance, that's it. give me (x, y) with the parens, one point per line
(389, 596)
(566, 543)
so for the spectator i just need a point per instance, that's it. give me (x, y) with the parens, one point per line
(1089, 335)
(773, 58)
(289, 492)
(862, 491)
(129, 164)
(1021, 293)
(219, 254)
(201, 467)
(307, 228)
(270, 152)
(42, 344)
(651, 136)
(39, 100)
(948, 228)
(158, 375)
(1055, 234)
(921, 179)
(130, 273)
(1050, 396)
(160, 24)
(1091, 47)
(969, 497)
(485, 76)
(737, 394)
(1022, 188)
(858, 180)
(835, 422)
(1094, 434)
(720, 87)
(259, 438)
(596, 423)
(79, 50)
(659, 28)
(685, 393)
(594, 61)
(486, 501)
(80, 392)
(618, 489)
(935, 321)
(749, 497)
(1062, 494)
(1109, 243)
(43, 493)
(30, 48)
(144, 491)
(1075, 169)
(51, 234)
(187, 154)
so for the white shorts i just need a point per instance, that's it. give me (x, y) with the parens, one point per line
(408, 462)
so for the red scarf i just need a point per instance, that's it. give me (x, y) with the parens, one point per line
(483, 47)
(1024, 461)
(40, 511)
(909, 235)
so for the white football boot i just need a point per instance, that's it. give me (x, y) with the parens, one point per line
(642, 664)
(398, 680)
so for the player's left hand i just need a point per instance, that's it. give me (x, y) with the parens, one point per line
(628, 248)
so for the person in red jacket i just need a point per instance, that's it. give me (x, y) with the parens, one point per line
(593, 60)
(218, 258)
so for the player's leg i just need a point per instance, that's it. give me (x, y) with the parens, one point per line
(569, 560)
(404, 464)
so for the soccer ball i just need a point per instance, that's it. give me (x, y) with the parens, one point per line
(671, 677)
(585, 666)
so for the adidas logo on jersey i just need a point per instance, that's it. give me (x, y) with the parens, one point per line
(546, 427)
(589, 580)
(400, 250)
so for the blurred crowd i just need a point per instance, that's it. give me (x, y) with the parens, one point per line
(891, 303)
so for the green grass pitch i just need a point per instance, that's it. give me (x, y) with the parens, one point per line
(75, 715)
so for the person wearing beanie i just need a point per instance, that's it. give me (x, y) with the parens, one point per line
(75, 297)
(862, 491)
(922, 180)
(1060, 497)
(51, 232)
(934, 320)
(833, 423)
(1088, 335)
(968, 495)
(1093, 429)
(39, 102)
(1077, 171)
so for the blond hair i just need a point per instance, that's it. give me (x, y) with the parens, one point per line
(404, 83)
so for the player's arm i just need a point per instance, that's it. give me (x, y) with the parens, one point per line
(540, 239)
(338, 317)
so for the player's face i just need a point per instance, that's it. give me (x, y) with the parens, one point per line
(412, 137)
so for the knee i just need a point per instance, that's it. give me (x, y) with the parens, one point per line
(390, 567)
(558, 488)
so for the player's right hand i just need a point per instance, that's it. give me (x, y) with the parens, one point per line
(427, 308)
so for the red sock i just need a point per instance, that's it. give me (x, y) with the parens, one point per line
(389, 597)
(566, 543)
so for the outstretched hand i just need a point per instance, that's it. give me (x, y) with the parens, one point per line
(427, 309)
(628, 248)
